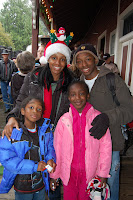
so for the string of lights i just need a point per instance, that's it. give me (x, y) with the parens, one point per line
(45, 9)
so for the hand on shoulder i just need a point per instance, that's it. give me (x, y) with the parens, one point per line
(12, 122)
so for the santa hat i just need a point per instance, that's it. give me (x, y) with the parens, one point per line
(56, 46)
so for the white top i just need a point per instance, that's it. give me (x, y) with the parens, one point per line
(91, 82)
(32, 130)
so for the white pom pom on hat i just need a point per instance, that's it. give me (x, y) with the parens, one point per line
(43, 60)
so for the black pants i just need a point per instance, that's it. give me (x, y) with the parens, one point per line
(55, 195)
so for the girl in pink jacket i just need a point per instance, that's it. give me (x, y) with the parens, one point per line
(79, 156)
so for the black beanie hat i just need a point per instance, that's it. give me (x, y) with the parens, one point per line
(86, 48)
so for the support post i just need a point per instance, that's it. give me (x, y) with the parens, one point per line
(35, 26)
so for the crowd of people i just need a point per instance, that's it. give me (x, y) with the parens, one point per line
(64, 126)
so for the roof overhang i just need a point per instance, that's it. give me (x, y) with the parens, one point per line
(74, 15)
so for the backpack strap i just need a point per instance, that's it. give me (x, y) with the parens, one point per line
(110, 78)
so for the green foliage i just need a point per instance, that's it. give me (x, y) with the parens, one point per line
(42, 28)
(43, 11)
(16, 18)
(5, 38)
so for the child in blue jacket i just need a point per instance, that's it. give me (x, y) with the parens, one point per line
(30, 155)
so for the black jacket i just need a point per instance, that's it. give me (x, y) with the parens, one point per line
(31, 87)
(16, 83)
(11, 67)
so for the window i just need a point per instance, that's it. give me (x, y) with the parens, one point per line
(102, 46)
(112, 44)
(128, 24)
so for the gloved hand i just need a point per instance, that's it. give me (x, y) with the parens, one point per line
(100, 125)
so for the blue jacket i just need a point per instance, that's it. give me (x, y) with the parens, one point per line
(12, 156)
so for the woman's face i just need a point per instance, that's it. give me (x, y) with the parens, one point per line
(57, 63)
(40, 52)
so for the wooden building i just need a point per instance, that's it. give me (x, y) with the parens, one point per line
(108, 25)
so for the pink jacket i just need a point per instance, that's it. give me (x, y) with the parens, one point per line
(97, 154)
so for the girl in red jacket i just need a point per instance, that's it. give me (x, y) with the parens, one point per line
(79, 156)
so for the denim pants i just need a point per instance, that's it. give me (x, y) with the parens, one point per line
(40, 195)
(113, 181)
(6, 94)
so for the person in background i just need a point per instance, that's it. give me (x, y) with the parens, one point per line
(86, 59)
(109, 64)
(14, 60)
(30, 154)
(40, 53)
(100, 61)
(80, 157)
(7, 68)
(72, 66)
(76, 45)
(25, 63)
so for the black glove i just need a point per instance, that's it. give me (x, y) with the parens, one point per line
(100, 125)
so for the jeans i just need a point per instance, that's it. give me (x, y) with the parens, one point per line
(40, 195)
(113, 181)
(6, 94)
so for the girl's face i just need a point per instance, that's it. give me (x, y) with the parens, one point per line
(32, 113)
(78, 96)
(86, 63)
(57, 63)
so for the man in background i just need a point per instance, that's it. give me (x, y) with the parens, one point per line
(7, 68)
(109, 64)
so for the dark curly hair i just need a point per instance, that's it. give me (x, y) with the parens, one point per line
(45, 77)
